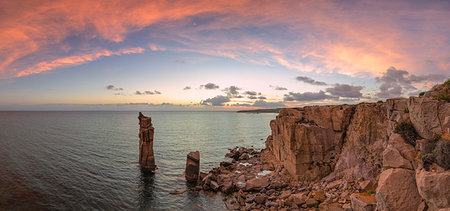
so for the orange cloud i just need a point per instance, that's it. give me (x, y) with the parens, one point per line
(74, 60)
(321, 36)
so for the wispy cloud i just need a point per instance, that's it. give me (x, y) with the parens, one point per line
(278, 88)
(352, 38)
(310, 81)
(148, 92)
(74, 60)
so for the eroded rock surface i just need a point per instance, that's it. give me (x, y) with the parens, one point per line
(434, 187)
(146, 132)
(370, 156)
(192, 167)
(397, 190)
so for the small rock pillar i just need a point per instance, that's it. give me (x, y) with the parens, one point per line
(192, 167)
(146, 132)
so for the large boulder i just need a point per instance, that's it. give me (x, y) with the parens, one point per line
(363, 202)
(397, 190)
(257, 183)
(398, 154)
(428, 116)
(393, 159)
(434, 187)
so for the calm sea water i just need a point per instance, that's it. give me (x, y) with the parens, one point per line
(89, 160)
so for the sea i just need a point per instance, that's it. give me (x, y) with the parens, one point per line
(88, 160)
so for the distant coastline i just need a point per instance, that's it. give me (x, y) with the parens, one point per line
(257, 111)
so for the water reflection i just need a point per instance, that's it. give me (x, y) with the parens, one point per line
(146, 187)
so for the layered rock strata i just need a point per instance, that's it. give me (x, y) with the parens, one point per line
(392, 155)
(146, 132)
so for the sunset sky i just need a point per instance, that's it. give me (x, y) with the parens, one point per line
(218, 55)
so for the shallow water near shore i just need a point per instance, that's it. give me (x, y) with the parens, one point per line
(89, 160)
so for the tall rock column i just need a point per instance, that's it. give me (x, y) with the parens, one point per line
(146, 132)
(192, 166)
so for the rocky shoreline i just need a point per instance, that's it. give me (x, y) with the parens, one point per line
(253, 180)
(392, 155)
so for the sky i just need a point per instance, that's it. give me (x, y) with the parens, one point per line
(218, 55)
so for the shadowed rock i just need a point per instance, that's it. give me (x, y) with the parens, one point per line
(146, 132)
(192, 167)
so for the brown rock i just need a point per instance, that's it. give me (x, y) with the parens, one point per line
(260, 199)
(214, 186)
(397, 190)
(434, 188)
(330, 207)
(146, 132)
(311, 203)
(393, 159)
(285, 194)
(192, 166)
(298, 198)
(363, 202)
(256, 184)
(366, 185)
(428, 116)
(318, 195)
(228, 187)
(396, 114)
(422, 207)
(364, 143)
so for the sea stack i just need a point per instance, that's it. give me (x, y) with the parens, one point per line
(146, 131)
(192, 167)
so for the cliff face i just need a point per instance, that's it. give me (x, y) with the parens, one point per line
(402, 145)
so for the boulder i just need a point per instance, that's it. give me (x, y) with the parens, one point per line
(434, 187)
(428, 116)
(442, 154)
(260, 199)
(366, 186)
(397, 190)
(363, 202)
(298, 198)
(256, 184)
(228, 187)
(311, 203)
(319, 196)
(192, 167)
(330, 207)
(393, 159)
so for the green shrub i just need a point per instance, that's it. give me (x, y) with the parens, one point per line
(442, 92)
(447, 83)
(421, 94)
(408, 132)
(406, 110)
(380, 101)
(441, 154)
(371, 192)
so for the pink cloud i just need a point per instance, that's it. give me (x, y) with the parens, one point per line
(74, 60)
(320, 36)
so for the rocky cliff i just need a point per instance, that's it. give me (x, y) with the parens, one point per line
(402, 146)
